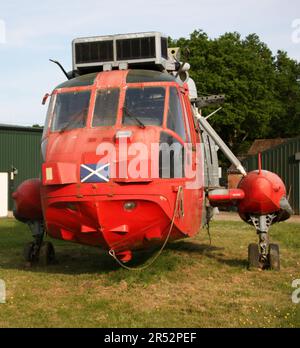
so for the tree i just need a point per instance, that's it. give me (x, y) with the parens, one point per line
(287, 121)
(258, 86)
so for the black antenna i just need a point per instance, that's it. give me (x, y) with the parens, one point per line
(61, 67)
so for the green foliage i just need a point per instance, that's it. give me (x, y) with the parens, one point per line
(287, 122)
(262, 93)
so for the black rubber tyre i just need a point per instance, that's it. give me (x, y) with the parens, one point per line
(253, 256)
(28, 252)
(47, 254)
(274, 257)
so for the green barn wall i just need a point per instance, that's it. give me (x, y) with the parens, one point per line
(20, 148)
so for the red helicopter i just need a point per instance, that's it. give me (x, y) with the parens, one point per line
(130, 162)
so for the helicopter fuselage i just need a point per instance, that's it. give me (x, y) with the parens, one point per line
(133, 208)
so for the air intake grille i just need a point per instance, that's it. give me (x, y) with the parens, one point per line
(164, 47)
(137, 48)
(93, 52)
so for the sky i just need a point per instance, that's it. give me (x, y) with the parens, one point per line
(33, 31)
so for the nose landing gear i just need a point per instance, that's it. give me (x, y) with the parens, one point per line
(38, 251)
(263, 255)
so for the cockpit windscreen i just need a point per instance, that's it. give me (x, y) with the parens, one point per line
(145, 104)
(71, 110)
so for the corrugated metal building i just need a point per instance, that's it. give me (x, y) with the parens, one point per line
(283, 160)
(19, 154)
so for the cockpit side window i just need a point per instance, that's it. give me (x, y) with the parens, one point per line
(49, 115)
(145, 104)
(175, 120)
(106, 107)
(187, 124)
(71, 110)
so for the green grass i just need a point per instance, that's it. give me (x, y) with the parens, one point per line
(192, 284)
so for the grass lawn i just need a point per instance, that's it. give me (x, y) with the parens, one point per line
(190, 285)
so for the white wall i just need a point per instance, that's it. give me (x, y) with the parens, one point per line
(3, 194)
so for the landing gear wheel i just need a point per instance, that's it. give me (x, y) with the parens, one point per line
(29, 252)
(253, 256)
(274, 257)
(47, 254)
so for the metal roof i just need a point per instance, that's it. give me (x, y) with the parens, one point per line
(260, 145)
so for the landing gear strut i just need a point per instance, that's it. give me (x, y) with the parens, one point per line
(263, 255)
(38, 250)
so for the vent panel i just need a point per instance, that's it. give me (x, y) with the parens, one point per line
(93, 52)
(139, 48)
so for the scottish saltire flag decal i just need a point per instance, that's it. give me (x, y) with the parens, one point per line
(91, 173)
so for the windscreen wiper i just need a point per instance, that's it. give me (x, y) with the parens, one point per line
(128, 113)
(67, 125)
(64, 128)
(72, 120)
